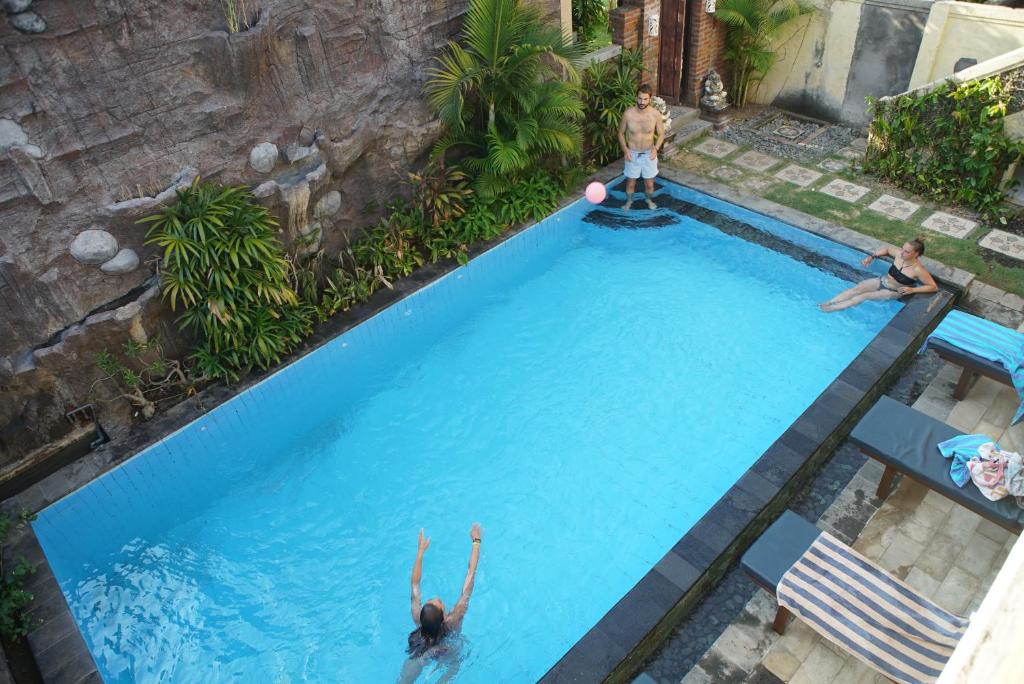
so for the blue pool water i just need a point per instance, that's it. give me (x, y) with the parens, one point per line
(585, 393)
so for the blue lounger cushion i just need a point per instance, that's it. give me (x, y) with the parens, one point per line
(775, 551)
(965, 358)
(907, 440)
(986, 339)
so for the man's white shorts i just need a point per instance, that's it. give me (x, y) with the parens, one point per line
(642, 165)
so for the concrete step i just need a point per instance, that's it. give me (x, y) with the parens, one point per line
(684, 134)
(682, 115)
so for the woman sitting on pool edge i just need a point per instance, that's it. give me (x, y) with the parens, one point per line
(907, 275)
(432, 625)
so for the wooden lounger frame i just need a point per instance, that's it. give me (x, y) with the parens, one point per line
(971, 371)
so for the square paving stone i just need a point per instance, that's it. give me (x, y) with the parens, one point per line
(956, 591)
(758, 184)
(947, 224)
(850, 153)
(1004, 243)
(978, 557)
(821, 665)
(781, 663)
(844, 190)
(894, 207)
(834, 165)
(755, 161)
(798, 175)
(716, 148)
(726, 173)
(859, 144)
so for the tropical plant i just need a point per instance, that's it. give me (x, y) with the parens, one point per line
(753, 25)
(144, 376)
(224, 265)
(589, 18)
(948, 144)
(439, 193)
(501, 95)
(609, 89)
(14, 599)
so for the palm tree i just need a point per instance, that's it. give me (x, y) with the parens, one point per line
(507, 93)
(753, 24)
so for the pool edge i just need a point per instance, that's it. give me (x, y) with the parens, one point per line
(616, 647)
(61, 653)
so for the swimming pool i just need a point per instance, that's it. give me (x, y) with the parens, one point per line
(586, 392)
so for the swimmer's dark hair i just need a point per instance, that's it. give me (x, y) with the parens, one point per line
(918, 245)
(431, 623)
(646, 89)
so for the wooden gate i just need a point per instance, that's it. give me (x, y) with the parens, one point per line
(673, 41)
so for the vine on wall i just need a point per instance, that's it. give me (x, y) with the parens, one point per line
(948, 144)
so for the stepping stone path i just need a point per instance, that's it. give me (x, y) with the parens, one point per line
(755, 161)
(844, 190)
(947, 224)
(798, 175)
(758, 184)
(726, 173)
(834, 165)
(894, 207)
(1005, 243)
(716, 148)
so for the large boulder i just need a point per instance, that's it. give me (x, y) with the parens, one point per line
(11, 134)
(28, 22)
(125, 261)
(94, 246)
(263, 157)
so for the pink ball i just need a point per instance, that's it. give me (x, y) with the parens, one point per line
(596, 193)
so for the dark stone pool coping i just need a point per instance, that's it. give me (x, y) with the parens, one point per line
(618, 645)
(620, 642)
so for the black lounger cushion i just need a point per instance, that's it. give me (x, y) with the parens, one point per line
(966, 358)
(898, 435)
(781, 545)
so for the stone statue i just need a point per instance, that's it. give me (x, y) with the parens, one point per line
(714, 101)
(714, 97)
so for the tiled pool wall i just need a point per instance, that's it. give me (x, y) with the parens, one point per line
(142, 495)
(618, 644)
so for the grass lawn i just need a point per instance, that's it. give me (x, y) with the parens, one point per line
(961, 253)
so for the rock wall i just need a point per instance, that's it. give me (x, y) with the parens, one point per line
(107, 105)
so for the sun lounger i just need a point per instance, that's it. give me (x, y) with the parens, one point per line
(981, 347)
(906, 441)
(852, 602)
(972, 364)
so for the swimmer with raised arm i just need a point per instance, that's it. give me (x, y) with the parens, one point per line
(907, 275)
(432, 625)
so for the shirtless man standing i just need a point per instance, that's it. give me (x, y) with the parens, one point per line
(641, 126)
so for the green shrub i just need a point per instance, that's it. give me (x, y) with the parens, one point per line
(223, 264)
(589, 18)
(144, 376)
(14, 600)
(753, 25)
(609, 89)
(507, 93)
(947, 145)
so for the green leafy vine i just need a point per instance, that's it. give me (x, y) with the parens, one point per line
(947, 144)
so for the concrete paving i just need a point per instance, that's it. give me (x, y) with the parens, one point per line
(946, 552)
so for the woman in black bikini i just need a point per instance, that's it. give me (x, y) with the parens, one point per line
(907, 275)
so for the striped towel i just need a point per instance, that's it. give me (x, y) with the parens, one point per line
(859, 606)
(989, 341)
